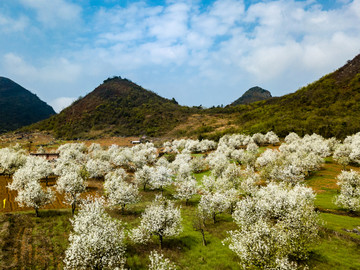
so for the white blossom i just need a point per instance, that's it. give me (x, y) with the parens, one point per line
(120, 192)
(161, 177)
(33, 195)
(159, 262)
(144, 176)
(72, 184)
(11, 160)
(98, 168)
(198, 164)
(161, 218)
(276, 224)
(97, 242)
(212, 204)
(349, 197)
(271, 138)
(186, 189)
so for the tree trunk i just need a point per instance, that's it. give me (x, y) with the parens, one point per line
(37, 212)
(73, 206)
(186, 201)
(203, 237)
(144, 186)
(46, 181)
(161, 241)
(214, 217)
(123, 209)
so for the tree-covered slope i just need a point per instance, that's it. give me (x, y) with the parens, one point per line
(20, 107)
(252, 95)
(116, 107)
(329, 106)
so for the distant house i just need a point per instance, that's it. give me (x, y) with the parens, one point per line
(47, 156)
(142, 139)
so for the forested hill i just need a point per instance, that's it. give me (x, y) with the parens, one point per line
(329, 106)
(252, 95)
(118, 107)
(20, 107)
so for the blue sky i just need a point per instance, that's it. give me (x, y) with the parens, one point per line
(200, 52)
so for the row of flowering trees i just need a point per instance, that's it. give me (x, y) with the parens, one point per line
(264, 192)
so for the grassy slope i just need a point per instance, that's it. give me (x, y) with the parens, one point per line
(28, 239)
(329, 107)
(337, 248)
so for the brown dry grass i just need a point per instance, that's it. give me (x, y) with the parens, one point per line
(94, 187)
(325, 179)
(196, 121)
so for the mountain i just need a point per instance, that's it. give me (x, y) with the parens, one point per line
(118, 107)
(20, 107)
(329, 107)
(252, 95)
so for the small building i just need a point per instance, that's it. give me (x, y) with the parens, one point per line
(47, 156)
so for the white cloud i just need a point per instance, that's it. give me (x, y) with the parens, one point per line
(54, 70)
(171, 24)
(55, 13)
(61, 103)
(277, 44)
(9, 25)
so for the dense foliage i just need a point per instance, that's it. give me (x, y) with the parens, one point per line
(117, 107)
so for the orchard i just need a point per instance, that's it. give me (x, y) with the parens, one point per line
(245, 202)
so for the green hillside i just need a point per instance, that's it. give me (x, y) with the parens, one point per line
(19, 107)
(252, 95)
(118, 107)
(329, 107)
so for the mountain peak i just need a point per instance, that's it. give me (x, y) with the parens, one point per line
(349, 70)
(254, 94)
(20, 107)
(117, 107)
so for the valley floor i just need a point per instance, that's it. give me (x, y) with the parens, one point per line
(27, 242)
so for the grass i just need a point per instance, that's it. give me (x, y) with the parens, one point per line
(340, 223)
(35, 243)
(335, 252)
(337, 248)
(186, 249)
(199, 176)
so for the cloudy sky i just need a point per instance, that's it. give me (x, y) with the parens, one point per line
(199, 52)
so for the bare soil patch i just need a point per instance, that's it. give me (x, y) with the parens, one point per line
(94, 188)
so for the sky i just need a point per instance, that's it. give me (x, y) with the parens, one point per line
(199, 52)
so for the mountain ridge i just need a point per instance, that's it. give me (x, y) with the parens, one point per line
(20, 107)
(118, 107)
(253, 94)
(329, 106)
